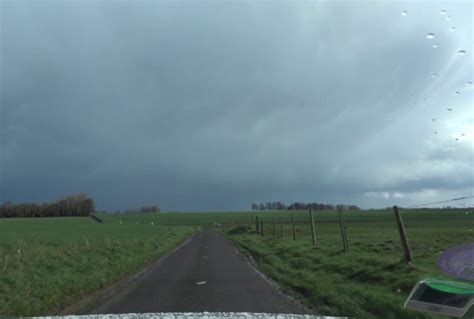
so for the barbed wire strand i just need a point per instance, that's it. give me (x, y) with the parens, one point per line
(441, 202)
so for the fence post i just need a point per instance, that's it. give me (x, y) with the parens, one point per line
(403, 235)
(345, 242)
(256, 224)
(311, 219)
(261, 228)
(293, 223)
(273, 223)
(281, 227)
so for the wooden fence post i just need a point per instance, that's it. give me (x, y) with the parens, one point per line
(273, 223)
(293, 223)
(281, 227)
(311, 219)
(345, 242)
(261, 228)
(403, 235)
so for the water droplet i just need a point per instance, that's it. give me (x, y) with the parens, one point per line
(430, 36)
(434, 120)
(404, 12)
(456, 139)
(457, 92)
(449, 109)
(433, 75)
(435, 45)
(453, 29)
(435, 132)
(469, 83)
(443, 12)
(461, 52)
(448, 18)
(463, 134)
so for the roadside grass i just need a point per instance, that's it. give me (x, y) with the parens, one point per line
(371, 280)
(47, 264)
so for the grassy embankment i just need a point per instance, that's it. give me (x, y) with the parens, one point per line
(47, 264)
(371, 280)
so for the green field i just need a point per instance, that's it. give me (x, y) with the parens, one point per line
(371, 280)
(47, 264)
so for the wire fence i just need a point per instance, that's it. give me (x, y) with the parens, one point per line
(267, 225)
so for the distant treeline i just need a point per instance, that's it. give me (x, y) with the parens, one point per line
(73, 205)
(144, 209)
(299, 206)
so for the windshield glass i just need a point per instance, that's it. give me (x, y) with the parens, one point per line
(236, 156)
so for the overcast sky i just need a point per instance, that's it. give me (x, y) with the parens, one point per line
(215, 105)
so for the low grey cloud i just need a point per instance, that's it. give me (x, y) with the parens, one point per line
(209, 106)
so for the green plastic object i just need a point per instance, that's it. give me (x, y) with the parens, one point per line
(454, 287)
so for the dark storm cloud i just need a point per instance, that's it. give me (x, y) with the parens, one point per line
(214, 106)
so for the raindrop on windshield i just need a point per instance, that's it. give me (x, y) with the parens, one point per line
(435, 132)
(469, 83)
(435, 45)
(456, 139)
(452, 28)
(457, 92)
(430, 36)
(443, 12)
(449, 109)
(433, 120)
(404, 13)
(448, 18)
(462, 52)
(434, 75)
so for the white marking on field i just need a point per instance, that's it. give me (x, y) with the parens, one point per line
(200, 283)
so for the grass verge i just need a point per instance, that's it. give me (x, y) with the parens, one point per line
(49, 264)
(370, 281)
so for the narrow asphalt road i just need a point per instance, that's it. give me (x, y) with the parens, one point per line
(205, 274)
